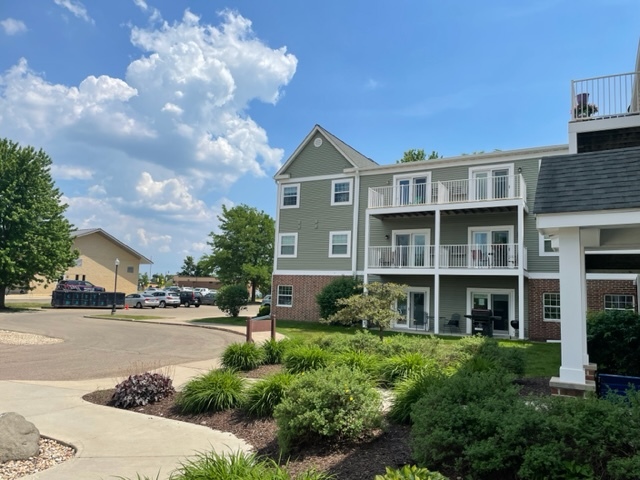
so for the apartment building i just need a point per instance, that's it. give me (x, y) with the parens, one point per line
(460, 232)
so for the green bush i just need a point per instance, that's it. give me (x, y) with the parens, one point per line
(402, 366)
(142, 389)
(342, 287)
(238, 465)
(263, 396)
(409, 390)
(264, 310)
(242, 356)
(213, 391)
(365, 362)
(232, 299)
(304, 358)
(274, 351)
(329, 405)
(613, 341)
(410, 473)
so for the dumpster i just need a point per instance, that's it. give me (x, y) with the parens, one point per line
(76, 299)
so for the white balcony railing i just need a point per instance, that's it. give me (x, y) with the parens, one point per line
(610, 96)
(451, 256)
(485, 189)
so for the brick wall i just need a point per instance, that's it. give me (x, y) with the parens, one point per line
(596, 290)
(305, 289)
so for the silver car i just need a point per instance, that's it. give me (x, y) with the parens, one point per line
(167, 299)
(140, 300)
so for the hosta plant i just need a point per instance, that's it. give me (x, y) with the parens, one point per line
(242, 356)
(142, 389)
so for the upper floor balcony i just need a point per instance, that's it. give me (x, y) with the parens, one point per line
(605, 97)
(417, 191)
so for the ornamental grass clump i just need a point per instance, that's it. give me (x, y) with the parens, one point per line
(242, 356)
(304, 358)
(411, 389)
(263, 396)
(336, 404)
(213, 391)
(410, 473)
(142, 389)
(273, 351)
(402, 366)
(365, 362)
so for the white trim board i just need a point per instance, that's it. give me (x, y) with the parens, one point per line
(590, 276)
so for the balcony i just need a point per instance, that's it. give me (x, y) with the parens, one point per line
(466, 256)
(477, 190)
(605, 97)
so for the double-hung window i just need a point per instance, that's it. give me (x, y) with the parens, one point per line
(288, 245)
(340, 244)
(551, 307)
(290, 196)
(285, 295)
(341, 192)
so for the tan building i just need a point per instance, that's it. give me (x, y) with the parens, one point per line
(212, 283)
(97, 262)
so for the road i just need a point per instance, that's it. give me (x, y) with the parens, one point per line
(94, 348)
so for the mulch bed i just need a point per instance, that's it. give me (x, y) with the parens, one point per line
(389, 447)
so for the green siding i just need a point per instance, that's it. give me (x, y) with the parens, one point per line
(454, 229)
(313, 221)
(314, 161)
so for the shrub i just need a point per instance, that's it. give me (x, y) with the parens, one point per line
(304, 358)
(232, 298)
(409, 390)
(242, 356)
(263, 396)
(365, 362)
(142, 389)
(613, 341)
(342, 287)
(410, 473)
(274, 351)
(264, 310)
(238, 465)
(212, 392)
(401, 366)
(333, 404)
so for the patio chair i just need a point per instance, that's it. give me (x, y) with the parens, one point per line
(453, 323)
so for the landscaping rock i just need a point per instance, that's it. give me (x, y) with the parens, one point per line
(18, 438)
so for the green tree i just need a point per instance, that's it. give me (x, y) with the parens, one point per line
(341, 287)
(188, 267)
(375, 306)
(243, 250)
(418, 155)
(143, 279)
(231, 299)
(203, 267)
(35, 237)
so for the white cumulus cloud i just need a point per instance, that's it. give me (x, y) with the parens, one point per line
(76, 8)
(66, 172)
(11, 26)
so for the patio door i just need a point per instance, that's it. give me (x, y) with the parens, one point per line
(491, 247)
(410, 248)
(414, 310)
(491, 184)
(412, 190)
(501, 305)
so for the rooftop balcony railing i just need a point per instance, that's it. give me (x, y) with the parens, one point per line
(603, 97)
(485, 189)
(489, 256)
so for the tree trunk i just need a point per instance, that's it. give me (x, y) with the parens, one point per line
(3, 289)
(253, 291)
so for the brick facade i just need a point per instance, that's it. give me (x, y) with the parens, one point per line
(596, 290)
(305, 289)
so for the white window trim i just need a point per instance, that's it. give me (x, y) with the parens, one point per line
(295, 244)
(544, 319)
(489, 168)
(333, 191)
(345, 255)
(278, 304)
(541, 250)
(490, 228)
(410, 176)
(285, 185)
(604, 303)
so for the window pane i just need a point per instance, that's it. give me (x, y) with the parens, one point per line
(339, 239)
(285, 294)
(339, 250)
(341, 192)
(290, 196)
(288, 240)
(551, 306)
(618, 302)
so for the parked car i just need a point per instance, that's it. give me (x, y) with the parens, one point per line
(202, 290)
(140, 300)
(266, 300)
(189, 297)
(167, 299)
(79, 285)
(173, 289)
(209, 298)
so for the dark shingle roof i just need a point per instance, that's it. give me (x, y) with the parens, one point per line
(587, 182)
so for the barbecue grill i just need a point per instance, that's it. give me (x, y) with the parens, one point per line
(482, 321)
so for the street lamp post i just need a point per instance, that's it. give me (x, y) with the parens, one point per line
(115, 287)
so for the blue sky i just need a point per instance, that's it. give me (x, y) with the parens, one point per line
(156, 113)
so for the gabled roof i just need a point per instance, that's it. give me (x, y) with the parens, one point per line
(586, 182)
(89, 231)
(354, 157)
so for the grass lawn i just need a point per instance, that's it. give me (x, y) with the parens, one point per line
(542, 359)
(20, 306)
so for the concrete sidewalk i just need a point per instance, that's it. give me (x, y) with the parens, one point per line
(112, 442)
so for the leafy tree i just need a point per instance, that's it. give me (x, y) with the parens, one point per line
(341, 287)
(243, 251)
(158, 279)
(35, 238)
(375, 306)
(203, 267)
(188, 267)
(231, 299)
(143, 279)
(418, 155)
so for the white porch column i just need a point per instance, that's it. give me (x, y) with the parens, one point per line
(573, 311)
(521, 267)
(366, 247)
(436, 274)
